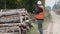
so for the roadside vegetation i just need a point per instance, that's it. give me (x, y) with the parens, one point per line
(58, 12)
(47, 19)
(18, 4)
(34, 30)
(56, 8)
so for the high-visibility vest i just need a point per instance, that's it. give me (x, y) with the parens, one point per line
(40, 15)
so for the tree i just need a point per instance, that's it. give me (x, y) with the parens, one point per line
(29, 4)
(2, 3)
(15, 4)
(11, 4)
(56, 6)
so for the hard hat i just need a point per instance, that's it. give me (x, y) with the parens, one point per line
(39, 2)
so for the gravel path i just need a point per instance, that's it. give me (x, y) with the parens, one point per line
(54, 25)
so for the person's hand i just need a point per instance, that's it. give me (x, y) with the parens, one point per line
(33, 12)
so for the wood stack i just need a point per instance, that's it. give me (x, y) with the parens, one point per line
(15, 17)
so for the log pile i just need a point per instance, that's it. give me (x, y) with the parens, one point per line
(15, 18)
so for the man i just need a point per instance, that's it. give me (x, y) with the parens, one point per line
(39, 15)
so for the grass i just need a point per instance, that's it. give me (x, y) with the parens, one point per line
(47, 19)
(34, 29)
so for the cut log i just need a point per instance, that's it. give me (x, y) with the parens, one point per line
(11, 16)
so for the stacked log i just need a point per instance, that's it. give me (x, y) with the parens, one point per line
(16, 17)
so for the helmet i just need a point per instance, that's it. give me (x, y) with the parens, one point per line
(39, 2)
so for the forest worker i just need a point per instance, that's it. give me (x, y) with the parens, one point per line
(39, 15)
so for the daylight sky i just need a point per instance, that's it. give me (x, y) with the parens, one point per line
(50, 2)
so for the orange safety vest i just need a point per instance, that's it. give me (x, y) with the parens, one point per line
(40, 15)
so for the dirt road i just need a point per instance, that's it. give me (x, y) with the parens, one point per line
(54, 25)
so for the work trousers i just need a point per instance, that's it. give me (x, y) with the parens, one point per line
(40, 25)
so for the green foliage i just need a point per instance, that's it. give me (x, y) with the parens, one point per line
(47, 17)
(10, 4)
(15, 4)
(34, 30)
(2, 4)
(28, 4)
